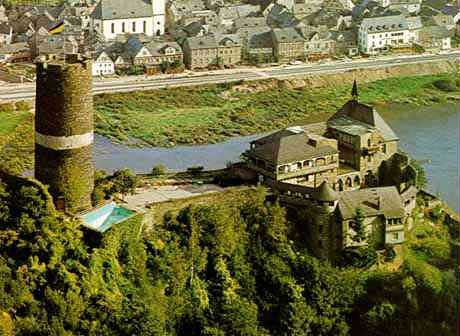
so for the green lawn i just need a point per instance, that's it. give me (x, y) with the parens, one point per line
(211, 114)
(9, 122)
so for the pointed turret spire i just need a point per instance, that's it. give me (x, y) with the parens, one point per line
(354, 91)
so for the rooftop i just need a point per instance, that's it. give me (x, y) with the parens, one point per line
(384, 201)
(122, 9)
(287, 146)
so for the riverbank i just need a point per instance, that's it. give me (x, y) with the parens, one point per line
(211, 114)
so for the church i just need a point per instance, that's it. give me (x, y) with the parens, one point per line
(117, 17)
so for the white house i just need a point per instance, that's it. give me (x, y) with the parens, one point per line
(103, 65)
(117, 17)
(6, 33)
(411, 6)
(379, 34)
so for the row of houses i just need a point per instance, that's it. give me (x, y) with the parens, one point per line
(210, 33)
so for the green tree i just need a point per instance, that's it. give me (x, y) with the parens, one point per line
(124, 181)
(358, 226)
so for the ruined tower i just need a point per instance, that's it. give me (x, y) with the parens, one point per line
(64, 131)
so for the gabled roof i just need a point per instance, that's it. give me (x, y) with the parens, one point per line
(122, 9)
(134, 46)
(202, 42)
(286, 35)
(357, 118)
(287, 146)
(157, 48)
(434, 32)
(384, 201)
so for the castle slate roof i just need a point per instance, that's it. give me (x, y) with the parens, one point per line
(325, 193)
(122, 9)
(287, 146)
(384, 201)
(356, 118)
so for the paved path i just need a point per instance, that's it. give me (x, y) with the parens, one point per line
(166, 193)
(27, 91)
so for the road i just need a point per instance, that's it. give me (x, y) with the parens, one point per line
(27, 91)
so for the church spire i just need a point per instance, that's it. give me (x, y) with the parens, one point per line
(354, 91)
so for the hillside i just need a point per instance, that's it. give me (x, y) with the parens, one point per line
(223, 267)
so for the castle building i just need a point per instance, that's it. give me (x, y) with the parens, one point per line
(295, 156)
(112, 18)
(64, 131)
(346, 151)
(329, 170)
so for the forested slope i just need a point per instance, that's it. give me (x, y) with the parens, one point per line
(224, 268)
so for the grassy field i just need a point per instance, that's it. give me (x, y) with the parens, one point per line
(200, 115)
(16, 141)
(213, 113)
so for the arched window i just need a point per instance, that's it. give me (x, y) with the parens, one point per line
(123, 27)
(144, 26)
(112, 28)
(357, 181)
(348, 182)
(320, 161)
(340, 185)
(368, 142)
(134, 26)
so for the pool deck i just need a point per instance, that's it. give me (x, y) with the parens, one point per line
(144, 197)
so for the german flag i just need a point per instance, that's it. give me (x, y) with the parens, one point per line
(56, 29)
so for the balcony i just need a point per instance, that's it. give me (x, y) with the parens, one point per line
(308, 170)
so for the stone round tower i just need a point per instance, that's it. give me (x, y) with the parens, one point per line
(64, 131)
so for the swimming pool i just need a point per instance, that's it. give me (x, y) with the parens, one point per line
(101, 219)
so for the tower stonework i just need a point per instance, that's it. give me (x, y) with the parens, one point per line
(64, 131)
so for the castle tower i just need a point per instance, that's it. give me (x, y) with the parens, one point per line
(64, 131)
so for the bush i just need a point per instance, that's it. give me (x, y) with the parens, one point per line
(159, 170)
(227, 179)
(390, 253)
(98, 195)
(445, 85)
(6, 108)
(360, 257)
(195, 170)
(23, 105)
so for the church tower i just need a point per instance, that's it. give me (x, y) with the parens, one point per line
(64, 131)
(159, 14)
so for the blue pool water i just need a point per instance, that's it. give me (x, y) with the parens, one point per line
(101, 219)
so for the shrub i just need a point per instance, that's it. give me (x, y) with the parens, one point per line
(98, 195)
(445, 85)
(6, 107)
(360, 257)
(227, 179)
(195, 170)
(159, 170)
(23, 105)
(390, 253)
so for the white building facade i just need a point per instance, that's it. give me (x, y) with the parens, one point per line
(116, 17)
(103, 65)
(379, 34)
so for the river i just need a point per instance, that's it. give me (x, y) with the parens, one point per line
(428, 134)
(431, 135)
